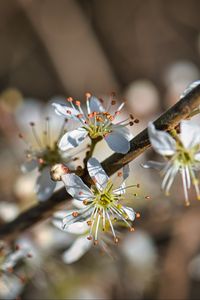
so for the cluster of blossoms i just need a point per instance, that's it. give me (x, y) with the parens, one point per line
(100, 208)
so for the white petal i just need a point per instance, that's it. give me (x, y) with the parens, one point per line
(77, 204)
(72, 139)
(130, 213)
(154, 165)
(77, 250)
(97, 172)
(126, 171)
(76, 188)
(161, 141)
(44, 186)
(65, 111)
(118, 142)
(123, 131)
(78, 228)
(95, 105)
(190, 134)
(29, 165)
(197, 156)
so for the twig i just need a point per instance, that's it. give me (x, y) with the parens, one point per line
(167, 121)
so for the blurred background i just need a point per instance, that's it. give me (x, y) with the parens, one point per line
(145, 51)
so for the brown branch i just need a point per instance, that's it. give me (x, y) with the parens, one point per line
(139, 144)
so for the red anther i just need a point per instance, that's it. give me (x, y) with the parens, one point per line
(111, 118)
(95, 242)
(91, 115)
(116, 240)
(113, 102)
(94, 113)
(41, 161)
(89, 223)
(78, 103)
(75, 214)
(131, 229)
(70, 99)
(80, 193)
(32, 123)
(147, 197)
(136, 121)
(138, 215)
(117, 112)
(86, 122)
(10, 270)
(99, 119)
(131, 123)
(89, 237)
(65, 169)
(119, 174)
(68, 112)
(20, 136)
(17, 247)
(132, 117)
(79, 116)
(106, 134)
(88, 95)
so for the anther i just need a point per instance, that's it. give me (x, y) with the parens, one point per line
(131, 123)
(85, 202)
(75, 214)
(147, 197)
(138, 215)
(88, 95)
(95, 242)
(20, 136)
(78, 103)
(113, 102)
(89, 237)
(119, 174)
(131, 229)
(116, 240)
(136, 121)
(70, 99)
(89, 223)
(68, 112)
(132, 117)
(80, 193)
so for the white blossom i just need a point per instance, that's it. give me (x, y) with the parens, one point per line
(181, 153)
(97, 123)
(101, 205)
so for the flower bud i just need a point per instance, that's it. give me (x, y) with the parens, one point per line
(57, 171)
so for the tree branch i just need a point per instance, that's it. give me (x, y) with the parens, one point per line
(167, 121)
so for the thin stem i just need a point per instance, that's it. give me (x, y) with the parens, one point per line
(167, 121)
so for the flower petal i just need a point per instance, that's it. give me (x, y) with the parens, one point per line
(29, 165)
(65, 111)
(161, 141)
(44, 185)
(97, 172)
(118, 142)
(76, 188)
(154, 165)
(130, 212)
(78, 228)
(72, 139)
(190, 134)
(95, 105)
(123, 130)
(77, 250)
(197, 157)
(121, 190)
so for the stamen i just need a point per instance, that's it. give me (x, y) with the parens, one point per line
(75, 214)
(32, 124)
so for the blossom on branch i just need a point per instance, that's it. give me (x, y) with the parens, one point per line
(182, 155)
(97, 123)
(101, 206)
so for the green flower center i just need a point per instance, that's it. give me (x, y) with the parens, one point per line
(50, 156)
(105, 198)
